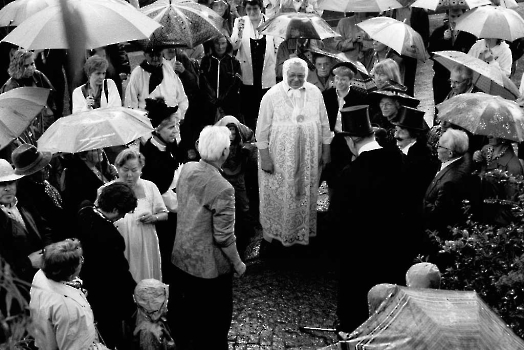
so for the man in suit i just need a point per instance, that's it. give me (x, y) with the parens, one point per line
(442, 205)
(341, 95)
(364, 212)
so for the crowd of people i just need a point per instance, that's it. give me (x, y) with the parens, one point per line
(243, 137)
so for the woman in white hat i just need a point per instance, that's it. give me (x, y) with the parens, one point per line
(22, 233)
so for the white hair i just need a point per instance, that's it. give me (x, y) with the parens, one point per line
(295, 60)
(213, 140)
(459, 141)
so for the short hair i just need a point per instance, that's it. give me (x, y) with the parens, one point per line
(229, 46)
(465, 72)
(95, 63)
(16, 65)
(117, 195)
(61, 259)
(294, 61)
(344, 71)
(316, 56)
(258, 3)
(389, 68)
(129, 154)
(213, 140)
(458, 141)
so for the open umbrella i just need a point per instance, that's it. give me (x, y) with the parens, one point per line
(339, 56)
(298, 25)
(359, 5)
(105, 22)
(483, 114)
(18, 108)
(395, 34)
(184, 23)
(492, 22)
(509, 4)
(432, 319)
(97, 128)
(444, 5)
(18, 11)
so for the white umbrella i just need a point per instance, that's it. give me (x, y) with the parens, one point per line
(18, 11)
(443, 5)
(359, 5)
(105, 22)
(492, 22)
(509, 4)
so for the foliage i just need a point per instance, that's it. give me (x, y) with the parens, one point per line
(490, 258)
(14, 316)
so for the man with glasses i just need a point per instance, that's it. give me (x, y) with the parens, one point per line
(461, 81)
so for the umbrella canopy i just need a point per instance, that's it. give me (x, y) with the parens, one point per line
(105, 22)
(492, 22)
(444, 5)
(98, 128)
(18, 11)
(395, 34)
(298, 25)
(341, 57)
(184, 23)
(18, 108)
(509, 4)
(484, 114)
(432, 319)
(359, 5)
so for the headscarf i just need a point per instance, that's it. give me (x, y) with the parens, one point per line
(151, 297)
(287, 65)
(423, 275)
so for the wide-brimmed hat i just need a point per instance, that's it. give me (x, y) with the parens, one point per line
(355, 121)
(395, 91)
(345, 64)
(7, 173)
(410, 118)
(28, 160)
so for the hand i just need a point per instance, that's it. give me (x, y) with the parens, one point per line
(148, 219)
(266, 164)
(240, 269)
(478, 157)
(179, 67)
(90, 100)
(123, 76)
(36, 259)
(240, 27)
(447, 34)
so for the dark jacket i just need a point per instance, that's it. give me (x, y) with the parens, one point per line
(160, 165)
(354, 97)
(442, 204)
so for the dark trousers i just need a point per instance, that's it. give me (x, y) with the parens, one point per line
(202, 310)
(250, 103)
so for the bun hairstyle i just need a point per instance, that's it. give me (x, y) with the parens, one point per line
(158, 111)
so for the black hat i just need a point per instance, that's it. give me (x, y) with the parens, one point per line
(158, 110)
(28, 160)
(396, 91)
(345, 64)
(355, 121)
(410, 118)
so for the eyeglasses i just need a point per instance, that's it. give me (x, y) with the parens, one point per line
(440, 146)
(386, 104)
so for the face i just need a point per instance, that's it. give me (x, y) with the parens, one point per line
(402, 137)
(233, 132)
(378, 46)
(29, 67)
(94, 156)
(40, 176)
(220, 46)
(453, 16)
(388, 107)
(444, 152)
(153, 58)
(458, 84)
(97, 77)
(168, 131)
(169, 53)
(253, 12)
(494, 141)
(323, 66)
(7, 192)
(342, 82)
(296, 76)
(219, 7)
(380, 79)
(130, 172)
(100, 51)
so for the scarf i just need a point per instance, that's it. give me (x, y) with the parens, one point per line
(157, 75)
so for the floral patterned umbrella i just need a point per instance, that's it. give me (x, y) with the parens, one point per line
(298, 25)
(184, 23)
(444, 5)
(484, 114)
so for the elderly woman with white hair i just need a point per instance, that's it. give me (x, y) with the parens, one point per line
(205, 254)
(293, 140)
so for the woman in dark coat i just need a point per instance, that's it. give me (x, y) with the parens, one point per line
(220, 79)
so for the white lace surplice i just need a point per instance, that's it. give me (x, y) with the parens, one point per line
(295, 132)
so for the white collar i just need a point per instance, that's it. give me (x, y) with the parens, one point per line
(405, 150)
(10, 207)
(370, 146)
(448, 163)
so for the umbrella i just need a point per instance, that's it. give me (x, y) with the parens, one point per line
(484, 114)
(105, 22)
(492, 22)
(97, 128)
(432, 319)
(359, 5)
(509, 4)
(487, 77)
(184, 23)
(298, 25)
(339, 56)
(18, 108)
(18, 11)
(395, 34)
(444, 5)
